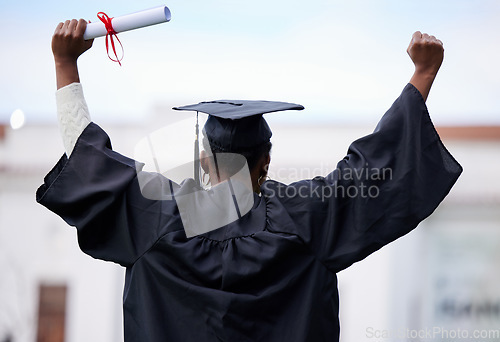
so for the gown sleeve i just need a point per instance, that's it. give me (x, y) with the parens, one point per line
(97, 191)
(386, 185)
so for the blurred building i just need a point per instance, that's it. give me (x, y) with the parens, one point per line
(442, 276)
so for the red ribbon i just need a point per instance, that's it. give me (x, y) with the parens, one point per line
(109, 35)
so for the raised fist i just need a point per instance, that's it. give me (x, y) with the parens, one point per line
(426, 52)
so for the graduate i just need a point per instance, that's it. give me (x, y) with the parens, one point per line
(268, 273)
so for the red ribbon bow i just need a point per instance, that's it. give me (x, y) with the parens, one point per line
(109, 35)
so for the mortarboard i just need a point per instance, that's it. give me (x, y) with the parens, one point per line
(236, 125)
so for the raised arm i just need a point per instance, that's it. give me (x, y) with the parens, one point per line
(72, 112)
(388, 182)
(67, 45)
(427, 54)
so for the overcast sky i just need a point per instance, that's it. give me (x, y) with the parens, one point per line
(345, 61)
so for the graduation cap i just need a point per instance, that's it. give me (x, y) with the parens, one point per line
(235, 125)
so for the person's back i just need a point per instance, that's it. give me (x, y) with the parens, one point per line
(247, 281)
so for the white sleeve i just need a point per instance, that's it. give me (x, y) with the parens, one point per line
(72, 114)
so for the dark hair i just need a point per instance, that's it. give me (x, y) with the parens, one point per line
(232, 163)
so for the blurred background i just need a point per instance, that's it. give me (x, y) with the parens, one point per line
(345, 61)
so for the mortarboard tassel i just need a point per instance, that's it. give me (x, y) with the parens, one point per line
(197, 154)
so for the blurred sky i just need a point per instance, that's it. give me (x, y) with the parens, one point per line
(345, 61)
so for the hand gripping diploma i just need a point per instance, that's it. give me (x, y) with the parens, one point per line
(67, 45)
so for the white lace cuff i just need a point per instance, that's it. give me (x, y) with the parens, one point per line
(72, 114)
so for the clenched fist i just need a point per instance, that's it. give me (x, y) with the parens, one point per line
(427, 54)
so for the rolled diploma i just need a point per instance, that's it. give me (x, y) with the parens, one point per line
(153, 16)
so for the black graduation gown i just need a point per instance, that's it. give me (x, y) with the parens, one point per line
(271, 275)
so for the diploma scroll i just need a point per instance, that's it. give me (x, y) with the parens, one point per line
(153, 16)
